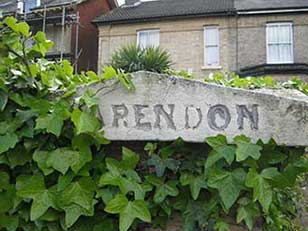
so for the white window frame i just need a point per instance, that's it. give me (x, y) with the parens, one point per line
(147, 31)
(206, 65)
(268, 25)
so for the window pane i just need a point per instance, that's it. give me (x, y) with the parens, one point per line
(142, 39)
(273, 53)
(280, 47)
(285, 32)
(153, 39)
(211, 36)
(211, 42)
(212, 56)
(285, 53)
(271, 34)
(148, 38)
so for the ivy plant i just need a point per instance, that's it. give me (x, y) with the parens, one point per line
(58, 172)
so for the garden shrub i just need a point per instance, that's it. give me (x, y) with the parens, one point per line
(56, 172)
(257, 82)
(133, 58)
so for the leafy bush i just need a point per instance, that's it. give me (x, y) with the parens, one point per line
(133, 58)
(56, 175)
(256, 83)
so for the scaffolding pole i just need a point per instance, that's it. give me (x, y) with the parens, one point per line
(62, 35)
(77, 42)
(44, 19)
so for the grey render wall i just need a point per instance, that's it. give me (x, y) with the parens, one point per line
(252, 38)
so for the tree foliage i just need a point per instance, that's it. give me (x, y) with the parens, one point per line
(55, 173)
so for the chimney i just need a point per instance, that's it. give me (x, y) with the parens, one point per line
(131, 2)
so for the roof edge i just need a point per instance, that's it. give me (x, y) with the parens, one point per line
(159, 18)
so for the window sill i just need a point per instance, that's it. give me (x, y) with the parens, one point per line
(211, 67)
(279, 63)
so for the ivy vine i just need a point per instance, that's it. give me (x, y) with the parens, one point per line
(57, 171)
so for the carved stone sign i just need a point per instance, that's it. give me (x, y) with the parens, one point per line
(165, 108)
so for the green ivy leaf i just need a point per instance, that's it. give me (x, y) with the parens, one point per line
(162, 164)
(74, 211)
(68, 158)
(42, 202)
(262, 189)
(33, 187)
(246, 149)
(196, 183)
(125, 185)
(65, 180)
(117, 204)
(196, 214)
(52, 123)
(7, 199)
(80, 193)
(163, 189)
(228, 184)
(221, 150)
(130, 159)
(4, 180)
(106, 194)
(85, 121)
(8, 141)
(248, 212)
(23, 28)
(128, 211)
(41, 158)
(109, 73)
(90, 99)
(9, 222)
(15, 159)
(82, 143)
(30, 186)
(150, 148)
(222, 226)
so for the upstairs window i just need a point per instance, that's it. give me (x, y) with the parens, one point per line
(30, 4)
(279, 43)
(148, 38)
(211, 46)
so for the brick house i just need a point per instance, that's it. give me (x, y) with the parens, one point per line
(68, 23)
(250, 37)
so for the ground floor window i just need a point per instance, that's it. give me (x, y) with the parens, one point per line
(148, 38)
(211, 46)
(279, 43)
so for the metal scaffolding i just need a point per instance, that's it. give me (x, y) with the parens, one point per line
(67, 17)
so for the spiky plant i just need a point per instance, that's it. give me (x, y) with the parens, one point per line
(156, 60)
(133, 58)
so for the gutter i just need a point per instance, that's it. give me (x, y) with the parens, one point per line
(274, 11)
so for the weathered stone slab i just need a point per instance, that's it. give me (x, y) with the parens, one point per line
(165, 108)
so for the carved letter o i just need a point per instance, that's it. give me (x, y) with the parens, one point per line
(224, 114)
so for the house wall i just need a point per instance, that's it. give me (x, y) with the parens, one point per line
(242, 41)
(183, 39)
(252, 38)
(88, 33)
